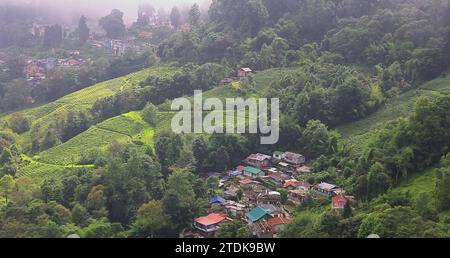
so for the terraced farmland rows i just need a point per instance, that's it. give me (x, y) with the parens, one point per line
(43, 116)
(121, 128)
(126, 127)
(39, 171)
(71, 151)
(123, 125)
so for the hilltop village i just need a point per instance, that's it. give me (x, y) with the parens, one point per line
(263, 192)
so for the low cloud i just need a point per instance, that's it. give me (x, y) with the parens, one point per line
(69, 10)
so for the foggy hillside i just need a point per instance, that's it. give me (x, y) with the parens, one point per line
(70, 10)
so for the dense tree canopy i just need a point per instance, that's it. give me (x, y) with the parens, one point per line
(113, 24)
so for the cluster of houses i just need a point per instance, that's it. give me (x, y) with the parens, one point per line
(36, 70)
(118, 47)
(250, 195)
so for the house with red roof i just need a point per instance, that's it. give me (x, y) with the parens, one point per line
(244, 71)
(73, 62)
(246, 182)
(240, 168)
(211, 222)
(338, 202)
(278, 223)
(291, 184)
(70, 62)
(270, 228)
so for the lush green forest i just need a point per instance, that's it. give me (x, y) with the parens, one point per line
(364, 94)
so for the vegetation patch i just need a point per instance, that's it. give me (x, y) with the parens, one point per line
(71, 151)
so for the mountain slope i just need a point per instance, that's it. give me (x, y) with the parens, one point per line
(400, 106)
(126, 127)
(43, 116)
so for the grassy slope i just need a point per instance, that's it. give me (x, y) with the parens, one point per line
(418, 183)
(40, 171)
(71, 151)
(357, 132)
(422, 182)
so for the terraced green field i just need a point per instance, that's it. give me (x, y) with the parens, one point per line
(45, 115)
(40, 171)
(126, 127)
(401, 106)
(122, 128)
(71, 151)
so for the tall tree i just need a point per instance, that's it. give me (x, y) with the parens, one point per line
(200, 151)
(6, 186)
(443, 189)
(151, 218)
(83, 30)
(235, 229)
(149, 114)
(194, 15)
(347, 213)
(113, 24)
(175, 17)
(16, 94)
(146, 14)
(53, 36)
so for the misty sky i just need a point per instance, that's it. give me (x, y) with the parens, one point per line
(99, 8)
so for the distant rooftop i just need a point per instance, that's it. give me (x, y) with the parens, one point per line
(326, 186)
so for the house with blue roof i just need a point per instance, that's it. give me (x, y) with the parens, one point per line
(217, 199)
